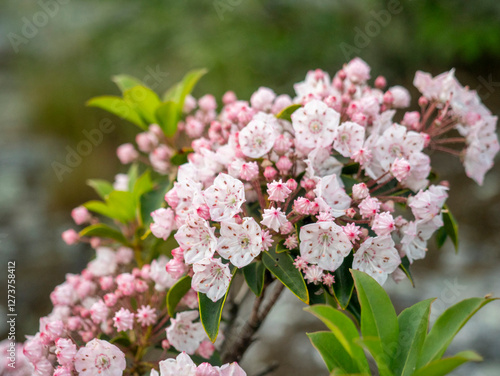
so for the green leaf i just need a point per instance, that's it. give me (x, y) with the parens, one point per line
(444, 366)
(143, 185)
(144, 101)
(447, 326)
(181, 156)
(254, 276)
(451, 226)
(281, 265)
(211, 312)
(405, 267)
(413, 326)
(102, 187)
(378, 317)
(332, 352)
(119, 107)
(348, 182)
(168, 117)
(287, 112)
(187, 85)
(125, 82)
(441, 236)
(153, 200)
(381, 355)
(118, 205)
(176, 293)
(101, 230)
(172, 93)
(344, 330)
(133, 174)
(344, 284)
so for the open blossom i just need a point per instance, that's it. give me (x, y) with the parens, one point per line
(383, 224)
(377, 257)
(258, 137)
(240, 244)
(331, 197)
(211, 277)
(184, 334)
(315, 124)
(415, 237)
(278, 191)
(349, 138)
(225, 197)
(317, 84)
(123, 320)
(158, 274)
(324, 244)
(274, 218)
(180, 366)
(426, 205)
(100, 358)
(197, 239)
(146, 315)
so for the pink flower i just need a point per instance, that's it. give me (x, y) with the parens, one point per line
(383, 224)
(258, 137)
(262, 99)
(224, 197)
(273, 218)
(184, 334)
(324, 244)
(316, 84)
(124, 255)
(65, 351)
(401, 96)
(207, 102)
(400, 169)
(206, 349)
(360, 191)
(158, 274)
(81, 215)
(99, 312)
(315, 125)
(352, 231)
(211, 277)
(240, 244)
(163, 223)
(146, 315)
(197, 239)
(100, 358)
(126, 153)
(291, 242)
(328, 279)
(126, 283)
(357, 71)
(284, 165)
(369, 207)
(267, 240)
(249, 171)
(123, 320)
(146, 141)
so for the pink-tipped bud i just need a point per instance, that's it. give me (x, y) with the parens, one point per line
(178, 253)
(308, 184)
(207, 103)
(282, 144)
(380, 82)
(423, 101)
(350, 212)
(81, 215)
(165, 345)
(95, 242)
(146, 141)
(337, 83)
(310, 195)
(341, 74)
(229, 97)
(110, 299)
(270, 173)
(126, 153)
(291, 184)
(400, 169)
(284, 165)
(171, 198)
(388, 98)
(286, 228)
(70, 237)
(106, 283)
(412, 119)
(249, 171)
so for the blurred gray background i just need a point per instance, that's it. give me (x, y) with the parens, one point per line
(54, 55)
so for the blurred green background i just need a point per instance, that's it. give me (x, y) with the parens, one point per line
(55, 55)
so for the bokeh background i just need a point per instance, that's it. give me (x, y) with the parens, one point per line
(56, 54)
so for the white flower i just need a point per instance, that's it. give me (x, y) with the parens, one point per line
(100, 358)
(324, 244)
(240, 244)
(180, 366)
(225, 197)
(377, 257)
(211, 277)
(349, 138)
(315, 124)
(104, 263)
(159, 275)
(184, 334)
(197, 239)
(258, 137)
(163, 223)
(331, 197)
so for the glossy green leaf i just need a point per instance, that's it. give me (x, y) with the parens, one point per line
(287, 112)
(168, 117)
(413, 326)
(441, 236)
(187, 85)
(101, 230)
(447, 326)
(281, 266)
(173, 93)
(344, 330)
(102, 187)
(444, 366)
(176, 293)
(254, 276)
(405, 267)
(143, 185)
(344, 284)
(119, 107)
(144, 101)
(348, 182)
(332, 352)
(118, 205)
(133, 174)
(451, 226)
(380, 354)
(125, 82)
(211, 312)
(378, 317)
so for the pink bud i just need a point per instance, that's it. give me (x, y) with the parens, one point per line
(70, 237)
(146, 141)
(423, 101)
(341, 74)
(286, 228)
(310, 195)
(171, 198)
(165, 344)
(412, 119)
(206, 349)
(106, 283)
(400, 169)
(203, 211)
(291, 184)
(284, 164)
(388, 97)
(337, 83)
(359, 191)
(126, 153)
(308, 184)
(249, 171)
(156, 130)
(95, 242)
(359, 118)
(350, 212)
(282, 144)
(110, 299)
(81, 215)
(178, 253)
(207, 103)
(229, 97)
(380, 82)
(270, 173)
